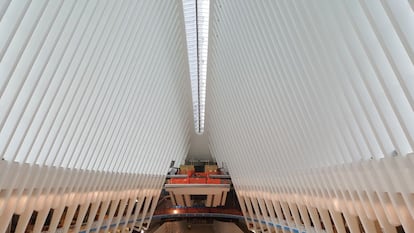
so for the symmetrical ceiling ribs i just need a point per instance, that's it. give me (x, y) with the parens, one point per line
(196, 14)
(310, 105)
(94, 104)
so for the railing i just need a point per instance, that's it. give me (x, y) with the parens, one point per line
(198, 213)
(166, 213)
(197, 178)
(178, 211)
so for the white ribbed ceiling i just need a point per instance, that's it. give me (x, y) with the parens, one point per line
(81, 87)
(95, 102)
(309, 106)
(308, 84)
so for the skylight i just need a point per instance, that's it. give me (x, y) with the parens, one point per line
(196, 16)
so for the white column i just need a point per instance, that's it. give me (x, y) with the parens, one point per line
(81, 215)
(69, 217)
(5, 218)
(327, 222)
(23, 221)
(57, 214)
(223, 198)
(187, 200)
(40, 220)
(339, 223)
(180, 199)
(209, 200)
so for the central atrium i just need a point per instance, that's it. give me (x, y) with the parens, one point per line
(159, 116)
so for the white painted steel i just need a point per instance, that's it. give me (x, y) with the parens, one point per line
(94, 104)
(310, 107)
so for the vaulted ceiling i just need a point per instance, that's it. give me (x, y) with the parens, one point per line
(308, 103)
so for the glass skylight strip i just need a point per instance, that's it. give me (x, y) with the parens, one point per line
(196, 16)
(203, 9)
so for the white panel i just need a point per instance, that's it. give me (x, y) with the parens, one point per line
(94, 103)
(310, 102)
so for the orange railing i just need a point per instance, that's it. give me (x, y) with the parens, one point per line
(198, 178)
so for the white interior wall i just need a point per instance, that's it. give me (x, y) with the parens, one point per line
(95, 102)
(310, 105)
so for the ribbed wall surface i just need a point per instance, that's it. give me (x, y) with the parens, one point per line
(95, 102)
(310, 105)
